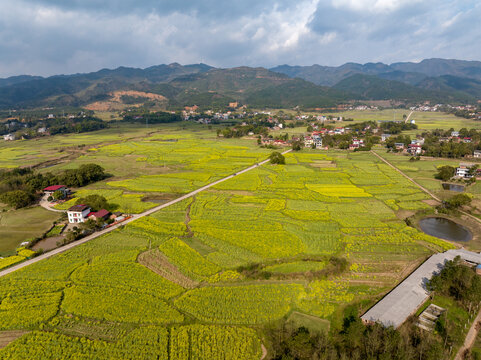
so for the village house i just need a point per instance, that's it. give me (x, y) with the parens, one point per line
(466, 140)
(101, 214)
(78, 213)
(399, 146)
(9, 137)
(308, 141)
(454, 133)
(415, 149)
(463, 171)
(49, 190)
(384, 137)
(477, 153)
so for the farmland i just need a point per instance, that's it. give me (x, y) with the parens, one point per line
(182, 269)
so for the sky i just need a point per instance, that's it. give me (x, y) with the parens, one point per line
(48, 37)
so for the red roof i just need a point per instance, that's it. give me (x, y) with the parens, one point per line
(101, 213)
(54, 187)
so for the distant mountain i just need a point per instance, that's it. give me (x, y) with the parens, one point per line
(449, 83)
(408, 72)
(80, 89)
(439, 67)
(283, 86)
(18, 79)
(370, 87)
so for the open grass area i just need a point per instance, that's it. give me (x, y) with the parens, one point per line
(19, 225)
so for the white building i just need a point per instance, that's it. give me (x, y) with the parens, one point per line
(9, 137)
(78, 213)
(463, 171)
(477, 153)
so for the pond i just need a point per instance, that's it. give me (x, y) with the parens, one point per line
(453, 187)
(445, 229)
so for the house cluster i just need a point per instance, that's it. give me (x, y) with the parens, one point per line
(454, 137)
(81, 213)
(314, 140)
(467, 171)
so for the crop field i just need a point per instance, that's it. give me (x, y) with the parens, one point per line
(13, 230)
(424, 120)
(111, 297)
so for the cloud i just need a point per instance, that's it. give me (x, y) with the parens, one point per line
(67, 36)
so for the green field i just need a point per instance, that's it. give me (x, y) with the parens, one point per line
(19, 225)
(173, 285)
(424, 120)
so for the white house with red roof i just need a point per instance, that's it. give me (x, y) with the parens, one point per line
(49, 190)
(78, 213)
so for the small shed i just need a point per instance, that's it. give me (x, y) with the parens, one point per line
(478, 269)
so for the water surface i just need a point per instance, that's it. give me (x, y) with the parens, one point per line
(445, 229)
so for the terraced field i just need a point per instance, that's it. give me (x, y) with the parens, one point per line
(178, 284)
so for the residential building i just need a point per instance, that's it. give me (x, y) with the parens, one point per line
(463, 171)
(399, 146)
(78, 213)
(318, 142)
(9, 137)
(415, 149)
(49, 190)
(308, 141)
(101, 214)
(384, 137)
(477, 153)
(454, 133)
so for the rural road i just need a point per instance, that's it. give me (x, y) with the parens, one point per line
(45, 204)
(470, 338)
(133, 218)
(407, 177)
(409, 116)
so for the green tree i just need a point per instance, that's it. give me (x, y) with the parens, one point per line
(96, 202)
(277, 158)
(58, 195)
(445, 172)
(17, 198)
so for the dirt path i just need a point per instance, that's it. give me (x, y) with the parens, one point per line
(46, 204)
(470, 337)
(264, 352)
(133, 218)
(420, 186)
(409, 116)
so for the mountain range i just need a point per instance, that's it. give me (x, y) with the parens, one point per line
(437, 80)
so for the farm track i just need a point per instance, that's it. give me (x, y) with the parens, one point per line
(420, 186)
(133, 218)
(470, 337)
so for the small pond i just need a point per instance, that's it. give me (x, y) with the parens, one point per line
(445, 229)
(453, 187)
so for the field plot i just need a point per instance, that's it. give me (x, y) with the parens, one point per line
(13, 230)
(175, 285)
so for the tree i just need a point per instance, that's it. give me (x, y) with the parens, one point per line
(296, 145)
(277, 158)
(457, 201)
(96, 202)
(17, 198)
(445, 172)
(58, 195)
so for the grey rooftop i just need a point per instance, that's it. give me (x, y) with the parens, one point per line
(409, 295)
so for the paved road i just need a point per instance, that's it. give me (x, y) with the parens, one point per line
(133, 218)
(470, 338)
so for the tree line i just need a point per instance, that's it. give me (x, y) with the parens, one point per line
(20, 187)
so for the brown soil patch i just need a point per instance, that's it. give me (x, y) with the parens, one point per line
(47, 244)
(6, 337)
(404, 214)
(115, 102)
(431, 202)
(159, 263)
(323, 164)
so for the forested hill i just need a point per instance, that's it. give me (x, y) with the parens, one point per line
(284, 86)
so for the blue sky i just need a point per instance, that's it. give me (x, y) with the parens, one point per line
(46, 37)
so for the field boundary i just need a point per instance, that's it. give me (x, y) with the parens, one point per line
(133, 218)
